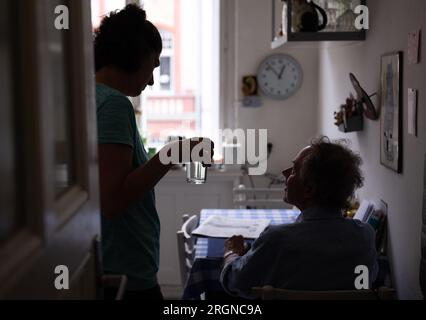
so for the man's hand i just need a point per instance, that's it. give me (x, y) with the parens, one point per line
(236, 245)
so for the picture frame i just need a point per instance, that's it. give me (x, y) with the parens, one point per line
(391, 111)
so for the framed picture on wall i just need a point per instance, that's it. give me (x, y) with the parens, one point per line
(391, 111)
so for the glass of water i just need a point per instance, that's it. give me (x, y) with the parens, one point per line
(195, 172)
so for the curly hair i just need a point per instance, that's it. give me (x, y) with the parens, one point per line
(124, 38)
(332, 171)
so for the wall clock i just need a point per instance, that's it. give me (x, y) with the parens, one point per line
(279, 76)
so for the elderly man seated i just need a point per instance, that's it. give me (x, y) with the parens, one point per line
(322, 249)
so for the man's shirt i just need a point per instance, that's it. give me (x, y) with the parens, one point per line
(320, 251)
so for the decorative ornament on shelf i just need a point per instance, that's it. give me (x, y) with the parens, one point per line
(306, 16)
(349, 117)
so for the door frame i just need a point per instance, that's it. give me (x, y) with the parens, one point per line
(72, 221)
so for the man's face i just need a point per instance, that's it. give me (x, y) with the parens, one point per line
(294, 192)
(144, 76)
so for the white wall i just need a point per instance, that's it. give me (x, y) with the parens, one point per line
(390, 22)
(291, 123)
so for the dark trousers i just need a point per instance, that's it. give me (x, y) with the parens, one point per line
(149, 294)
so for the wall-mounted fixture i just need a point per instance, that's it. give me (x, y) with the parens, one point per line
(349, 117)
(315, 20)
(364, 99)
(250, 93)
(279, 76)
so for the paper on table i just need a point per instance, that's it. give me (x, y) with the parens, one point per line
(364, 211)
(224, 227)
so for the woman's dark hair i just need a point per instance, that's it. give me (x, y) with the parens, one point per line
(332, 171)
(124, 38)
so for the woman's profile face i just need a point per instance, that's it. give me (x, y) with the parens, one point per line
(144, 76)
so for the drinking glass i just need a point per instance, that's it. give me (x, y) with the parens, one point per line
(195, 172)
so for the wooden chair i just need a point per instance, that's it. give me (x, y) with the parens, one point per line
(186, 244)
(271, 293)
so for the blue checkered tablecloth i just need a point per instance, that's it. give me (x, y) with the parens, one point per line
(276, 216)
(204, 276)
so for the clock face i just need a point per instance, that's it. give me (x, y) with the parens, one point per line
(279, 76)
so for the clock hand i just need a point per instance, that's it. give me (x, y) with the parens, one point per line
(276, 73)
(281, 72)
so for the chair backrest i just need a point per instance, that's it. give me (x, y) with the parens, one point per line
(271, 293)
(186, 244)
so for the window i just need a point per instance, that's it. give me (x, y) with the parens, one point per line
(163, 74)
(102, 7)
(184, 100)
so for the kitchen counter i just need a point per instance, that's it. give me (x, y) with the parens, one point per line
(229, 172)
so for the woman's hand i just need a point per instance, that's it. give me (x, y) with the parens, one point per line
(203, 148)
(188, 150)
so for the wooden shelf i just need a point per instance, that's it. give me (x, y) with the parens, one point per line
(278, 42)
(291, 36)
(327, 36)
